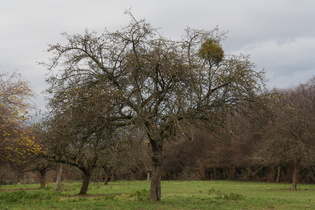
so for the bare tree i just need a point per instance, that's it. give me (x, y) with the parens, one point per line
(290, 135)
(159, 85)
(75, 132)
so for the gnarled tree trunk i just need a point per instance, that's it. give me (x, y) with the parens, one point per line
(157, 159)
(85, 183)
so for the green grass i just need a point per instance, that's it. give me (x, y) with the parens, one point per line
(175, 195)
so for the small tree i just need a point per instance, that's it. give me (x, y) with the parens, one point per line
(159, 85)
(75, 132)
(17, 141)
(290, 136)
(40, 165)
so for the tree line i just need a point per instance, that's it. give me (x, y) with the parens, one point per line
(134, 103)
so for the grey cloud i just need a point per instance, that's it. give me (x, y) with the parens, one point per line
(279, 35)
(287, 62)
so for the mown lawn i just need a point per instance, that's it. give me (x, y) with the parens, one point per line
(175, 195)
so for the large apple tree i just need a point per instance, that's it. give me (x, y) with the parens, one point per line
(161, 86)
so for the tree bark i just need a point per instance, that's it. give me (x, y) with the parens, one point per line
(85, 183)
(278, 174)
(58, 179)
(155, 188)
(295, 177)
(42, 178)
(106, 179)
(149, 175)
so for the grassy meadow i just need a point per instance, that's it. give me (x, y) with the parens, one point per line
(175, 195)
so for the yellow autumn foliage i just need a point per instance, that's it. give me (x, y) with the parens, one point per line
(17, 141)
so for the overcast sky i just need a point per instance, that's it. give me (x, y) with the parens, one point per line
(278, 34)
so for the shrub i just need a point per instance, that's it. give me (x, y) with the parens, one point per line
(225, 195)
(141, 195)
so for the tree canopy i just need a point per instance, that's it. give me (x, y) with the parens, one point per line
(17, 141)
(159, 85)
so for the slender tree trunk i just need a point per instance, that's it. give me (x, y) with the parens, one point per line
(58, 179)
(295, 175)
(278, 174)
(105, 178)
(42, 178)
(155, 188)
(85, 183)
(149, 175)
